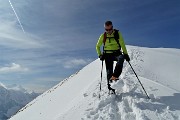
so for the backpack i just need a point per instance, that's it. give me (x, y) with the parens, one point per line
(116, 37)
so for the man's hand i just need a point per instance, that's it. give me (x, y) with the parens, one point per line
(126, 56)
(101, 57)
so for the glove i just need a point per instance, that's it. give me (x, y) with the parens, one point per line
(126, 56)
(101, 57)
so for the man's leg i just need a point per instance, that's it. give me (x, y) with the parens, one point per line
(109, 60)
(119, 66)
(109, 66)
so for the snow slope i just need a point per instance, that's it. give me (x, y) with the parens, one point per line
(76, 98)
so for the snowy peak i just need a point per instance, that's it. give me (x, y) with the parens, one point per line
(76, 97)
(16, 88)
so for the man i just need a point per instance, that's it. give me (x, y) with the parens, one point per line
(113, 43)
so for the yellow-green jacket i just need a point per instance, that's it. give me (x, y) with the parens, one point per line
(110, 43)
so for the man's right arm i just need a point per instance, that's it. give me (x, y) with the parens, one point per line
(98, 45)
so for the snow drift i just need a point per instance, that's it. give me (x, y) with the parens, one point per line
(76, 97)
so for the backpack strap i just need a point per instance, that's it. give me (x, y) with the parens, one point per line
(105, 36)
(104, 40)
(116, 37)
(116, 34)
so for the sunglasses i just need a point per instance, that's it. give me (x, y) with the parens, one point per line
(109, 29)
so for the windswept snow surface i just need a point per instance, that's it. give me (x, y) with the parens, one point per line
(76, 98)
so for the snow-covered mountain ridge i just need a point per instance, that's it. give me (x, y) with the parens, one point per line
(76, 98)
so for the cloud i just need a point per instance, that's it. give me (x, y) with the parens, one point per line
(38, 88)
(12, 37)
(74, 63)
(11, 34)
(13, 68)
(41, 19)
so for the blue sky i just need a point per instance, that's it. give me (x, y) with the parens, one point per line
(60, 35)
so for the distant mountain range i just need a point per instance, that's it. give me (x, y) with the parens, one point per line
(13, 98)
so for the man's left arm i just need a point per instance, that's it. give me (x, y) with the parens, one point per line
(123, 46)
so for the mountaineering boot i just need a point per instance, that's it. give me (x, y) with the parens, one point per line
(117, 85)
(111, 89)
(114, 78)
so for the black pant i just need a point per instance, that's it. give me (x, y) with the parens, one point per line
(109, 60)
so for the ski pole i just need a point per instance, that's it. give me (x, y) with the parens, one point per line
(101, 79)
(139, 80)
